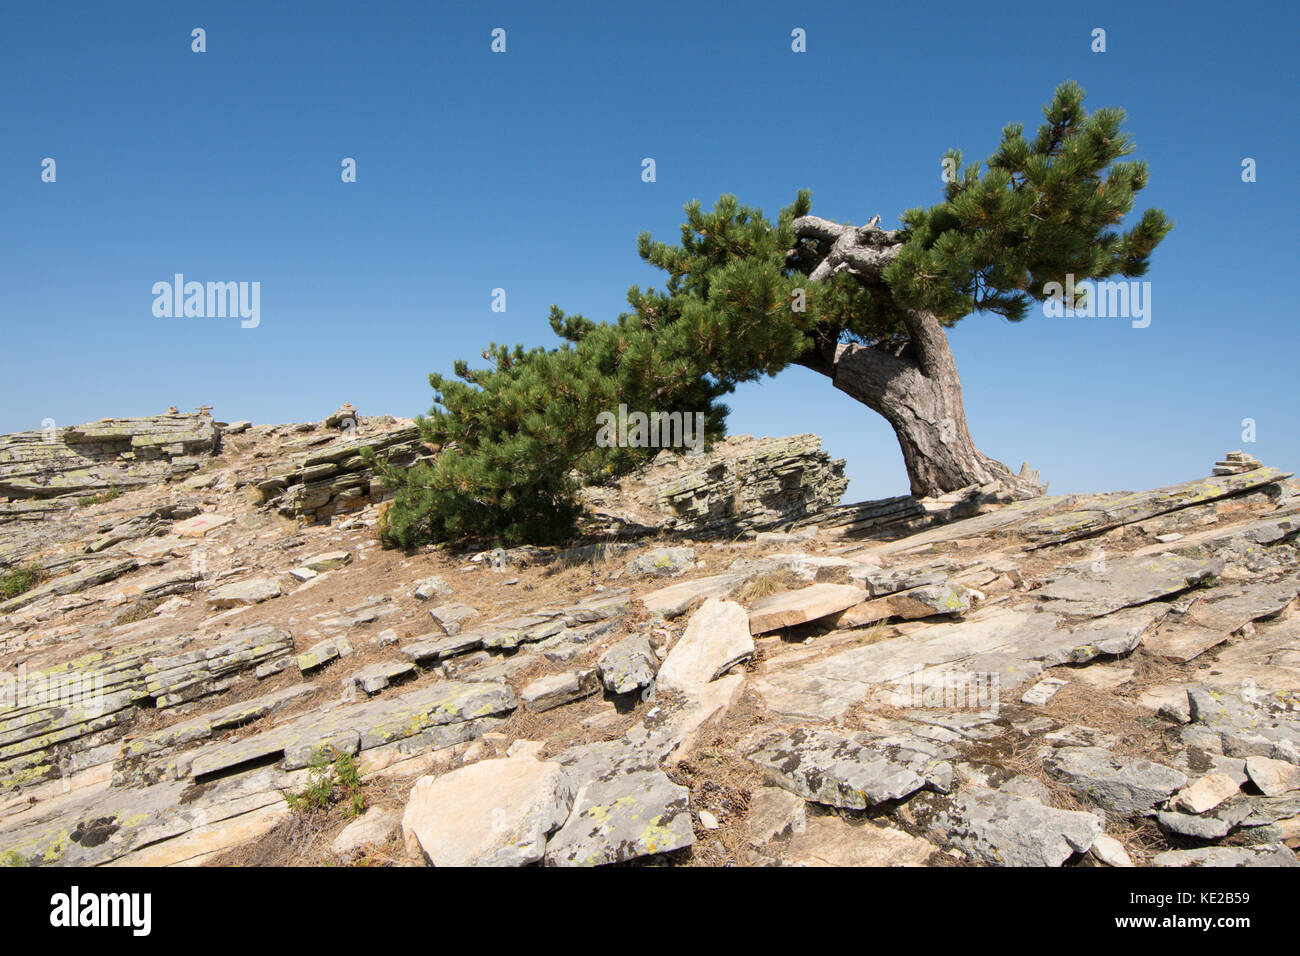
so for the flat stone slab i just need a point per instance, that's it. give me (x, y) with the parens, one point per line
(323, 652)
(200, 525)
(1101, 586)
(1007, 829)
(491, 813)
(830, 841)
(439, 648)
(328, 561)
(1042, 692)
(673, 600)
(1111, 511)
(925, 601)
(799, 607)
(627, 816)
(628, 665)
(507, 635)
(452, 617)
(1207, 792)
(716, 639)
(72, 583)
(1124, 784)
(775, 813)
(1267, 854)
(243, 593)
(376, 677)
(839, 771)
(555, 690)
(441, 714)
(1246, 728)
(1272, 777)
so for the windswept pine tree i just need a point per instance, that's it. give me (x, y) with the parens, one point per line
(744, 298)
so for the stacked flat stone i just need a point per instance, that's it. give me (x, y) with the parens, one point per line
(1235, 463)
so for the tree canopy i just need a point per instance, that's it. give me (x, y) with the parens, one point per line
(745, 297)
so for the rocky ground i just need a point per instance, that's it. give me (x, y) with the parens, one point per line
(732, 668)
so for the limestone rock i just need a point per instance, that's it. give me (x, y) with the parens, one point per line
(323, 652)
(200, 525)
(1004, 829)
(372, 828)
(452, 617)
(799, 607)
(1206, 793)
(716, 639)
(775, 813)
(328, 561)
(1124, 784)
(628, 665)
(431, 587)
(834, 770)
(555, 690)
(1273, 777)
(662, 562)
(1268, 854)
(242, 593)
(623, 817)
(925, 601)
(1110, 851)
(830, 841)
(490, 813)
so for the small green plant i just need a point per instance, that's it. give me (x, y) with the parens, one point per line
(332, 777)
(11, 858)
(15, 582)
(87, 500)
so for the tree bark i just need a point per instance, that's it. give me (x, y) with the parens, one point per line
(919, 391)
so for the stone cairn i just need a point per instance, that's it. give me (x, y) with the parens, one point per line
(1236, 462)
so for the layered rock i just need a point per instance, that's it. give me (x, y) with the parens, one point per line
(742, 483)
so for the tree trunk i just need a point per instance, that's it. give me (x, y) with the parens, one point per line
(926, 413)
(917, 392)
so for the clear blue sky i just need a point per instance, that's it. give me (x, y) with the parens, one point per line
(523, 171)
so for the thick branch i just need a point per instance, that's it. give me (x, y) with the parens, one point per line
(862, 251)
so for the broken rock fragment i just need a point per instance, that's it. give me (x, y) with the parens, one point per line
(491, 813)
(716, 639)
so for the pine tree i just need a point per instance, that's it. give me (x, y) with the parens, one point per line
(746, 298)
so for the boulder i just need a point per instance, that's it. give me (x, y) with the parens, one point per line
(628, 665)
(491, 813)
(372, 828)
(662, 562)
(623, 817)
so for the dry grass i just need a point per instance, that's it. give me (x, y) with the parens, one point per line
(766, 584)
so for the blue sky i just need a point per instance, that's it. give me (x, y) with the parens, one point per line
(522, 171)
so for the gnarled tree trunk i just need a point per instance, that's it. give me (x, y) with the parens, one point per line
(918, 391)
